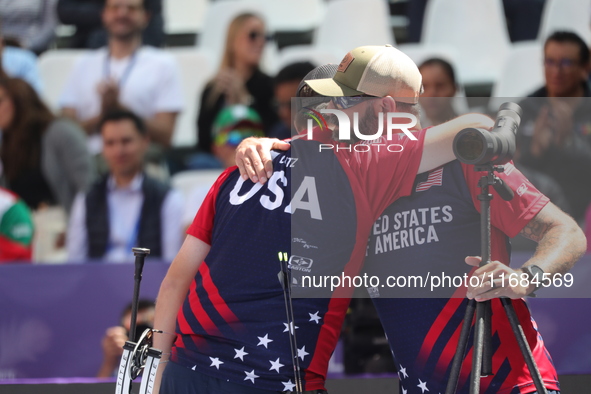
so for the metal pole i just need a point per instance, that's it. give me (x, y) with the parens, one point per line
(285, 280)
(456, 366)
(140, 255)
(481, 365)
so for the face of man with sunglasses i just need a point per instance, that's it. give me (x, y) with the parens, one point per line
(250, 42)
(367, 109)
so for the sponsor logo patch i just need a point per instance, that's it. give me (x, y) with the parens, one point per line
(299, 263)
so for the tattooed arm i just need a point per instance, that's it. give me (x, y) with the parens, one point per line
(561, 243)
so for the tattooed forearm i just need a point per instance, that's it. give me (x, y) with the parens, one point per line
(560, 240)
(538, 226)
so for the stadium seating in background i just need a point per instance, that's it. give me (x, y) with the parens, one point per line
(571, 15)
(521, 74)
(316, 57)
(474, 33)
(292, 16)
(196, 69)
(347, 24)
(50, 226)
(184, 16)
(54, 69)
(187, 181)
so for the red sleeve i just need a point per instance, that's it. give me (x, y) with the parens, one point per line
(509, 216)
(202, 225)
(388, 175)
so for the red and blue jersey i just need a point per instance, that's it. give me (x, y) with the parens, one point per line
(318, 207)
(433, 230)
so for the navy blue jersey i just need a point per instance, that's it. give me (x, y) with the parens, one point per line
(433, 230)
(318, 208)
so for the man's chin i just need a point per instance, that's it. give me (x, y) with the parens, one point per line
(126, 35)
(125, 170)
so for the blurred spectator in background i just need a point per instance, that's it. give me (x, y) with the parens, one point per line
(286, 83)
(16, 228)
(239, 80)
(115, 337)
(30, 24)
(126, 208)
(19, 63)
(439, 88)
(555, 134)
(90, 32)
(44, 158)
(125, 73)
(232, 125)
(566, 62)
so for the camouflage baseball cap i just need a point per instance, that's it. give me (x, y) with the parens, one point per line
(378, 71)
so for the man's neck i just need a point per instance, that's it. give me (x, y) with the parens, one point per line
(122, 48)
(124, 180)
(579, 91)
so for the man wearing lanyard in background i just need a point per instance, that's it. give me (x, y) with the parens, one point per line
(125, 73)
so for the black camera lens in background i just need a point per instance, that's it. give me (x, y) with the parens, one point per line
(480, 146)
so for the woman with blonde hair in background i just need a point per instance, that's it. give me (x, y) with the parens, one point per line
(239, 79)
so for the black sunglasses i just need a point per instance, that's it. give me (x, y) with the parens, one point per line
(344, 102)
(255, 35)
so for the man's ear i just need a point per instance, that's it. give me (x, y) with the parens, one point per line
(388, 104)
(147, 141)
(147, 18)
(103, 11)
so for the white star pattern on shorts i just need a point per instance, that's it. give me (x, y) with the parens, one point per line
(403, 390)
(264, 341)
(275, 365)
(423, 386)
(288, 386)
(302, 352)
(240, 353)
(403, 372)
(314, 317)
(250, 376)
(215, 362)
